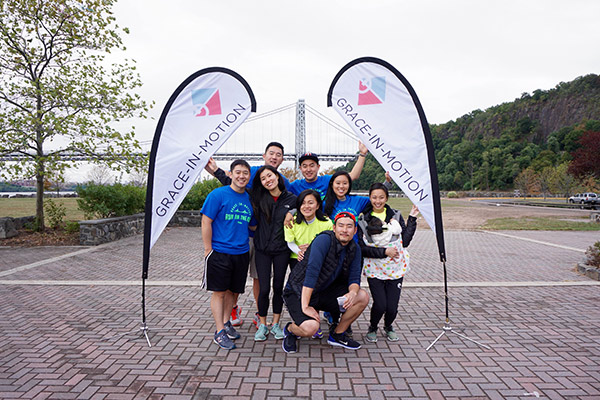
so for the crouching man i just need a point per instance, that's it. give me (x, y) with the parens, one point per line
(330, 269)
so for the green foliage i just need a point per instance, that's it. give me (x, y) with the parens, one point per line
(99, 201)
(452, 195)
(72, 227)
(593, 255)
(56, 85)
(197, 194)
(56, 212)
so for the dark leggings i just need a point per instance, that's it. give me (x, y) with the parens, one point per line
(386, 295)
(265, 263)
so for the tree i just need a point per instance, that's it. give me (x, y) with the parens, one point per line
(586, 159)
(56, 86)
(563, 181)
(527, 182)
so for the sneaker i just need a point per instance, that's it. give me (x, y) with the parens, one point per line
(289, 343)
(391, 335)
(231, 332)
(256, 320)
(236, 314)
(371, 335)
(328, 317)
(342, 340)
(277, 331)
(261, 334)
(223, 340)
(318, 335)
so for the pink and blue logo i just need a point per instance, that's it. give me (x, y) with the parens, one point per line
(206, 102)
(371, 91)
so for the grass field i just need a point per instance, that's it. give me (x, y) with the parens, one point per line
(26, 207)
(540, 224)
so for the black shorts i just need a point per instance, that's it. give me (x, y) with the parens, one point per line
(325, 300)
(224, 272)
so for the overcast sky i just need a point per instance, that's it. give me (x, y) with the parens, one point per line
(457, 55)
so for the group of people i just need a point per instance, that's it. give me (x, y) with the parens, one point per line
(260, 223)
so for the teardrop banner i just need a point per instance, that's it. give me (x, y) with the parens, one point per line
(202, 113)
(383, 110)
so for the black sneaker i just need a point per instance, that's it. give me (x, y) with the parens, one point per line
(290, 341)
(231, 332)
(342, 340)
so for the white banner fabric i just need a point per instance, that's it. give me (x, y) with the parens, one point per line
(380, 110)
(204, 114)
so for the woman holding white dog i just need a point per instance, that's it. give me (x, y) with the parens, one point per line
(383, 236)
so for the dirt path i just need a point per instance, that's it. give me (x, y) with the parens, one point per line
(462, 214)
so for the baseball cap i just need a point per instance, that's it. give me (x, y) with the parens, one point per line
(344, 214)
(309, 156)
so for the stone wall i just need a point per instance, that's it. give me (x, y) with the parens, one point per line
(95, 232)
(9, 225)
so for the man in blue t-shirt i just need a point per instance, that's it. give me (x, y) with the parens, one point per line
(273, 156)
(226, 217)
(309, 166)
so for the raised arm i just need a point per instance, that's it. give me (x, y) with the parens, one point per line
(360, 163)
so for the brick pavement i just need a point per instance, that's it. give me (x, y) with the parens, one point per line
(544, 338)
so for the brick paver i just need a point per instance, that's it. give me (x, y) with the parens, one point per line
(544, 339)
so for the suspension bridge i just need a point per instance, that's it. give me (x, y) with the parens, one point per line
(297, 126)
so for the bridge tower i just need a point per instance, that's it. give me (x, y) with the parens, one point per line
(300, 130)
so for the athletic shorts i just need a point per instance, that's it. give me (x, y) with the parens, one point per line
(325, 300)
(224, 272)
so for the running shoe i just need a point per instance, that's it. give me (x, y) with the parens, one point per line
(391, 335)
(371, 335)
(342, 340)
(236, 316)
(223, 340)
(262, 333)
(256, 320)
(277, 331)
(318, 335)
(231, 332)
(328, 317)
(290, 341)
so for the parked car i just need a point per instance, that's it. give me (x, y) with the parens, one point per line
(585, 198)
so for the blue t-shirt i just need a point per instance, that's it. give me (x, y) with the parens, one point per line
(231, 213)
(255, 169)
(320, 185)
(353, 204)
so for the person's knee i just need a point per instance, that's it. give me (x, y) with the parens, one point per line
(309, 328)
(362, 298)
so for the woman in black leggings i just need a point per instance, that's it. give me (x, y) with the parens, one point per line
(271, 202)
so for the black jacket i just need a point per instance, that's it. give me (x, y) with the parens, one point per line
(269, 237)
(408, 230)
(296, 278)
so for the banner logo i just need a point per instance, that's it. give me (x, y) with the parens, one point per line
(371, 91)
(206, 102)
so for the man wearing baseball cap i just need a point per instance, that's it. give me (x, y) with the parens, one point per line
(309, 166)
(327, 279)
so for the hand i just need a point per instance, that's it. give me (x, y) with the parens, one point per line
(392, 252)
(211, 167)
(288, 222)
(388, 177)
(311, 312)
(414, 211)
(303, 248)
(362, 149)
(350, 296)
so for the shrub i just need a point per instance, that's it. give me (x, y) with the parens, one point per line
(72, 227)
(593, 255)
(197, 194)
(105, 201)
(452, 195)
(55, 212)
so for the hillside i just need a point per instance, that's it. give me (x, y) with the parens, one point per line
(538, 132)
(533, 116)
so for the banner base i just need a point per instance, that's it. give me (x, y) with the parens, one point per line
(447, 329)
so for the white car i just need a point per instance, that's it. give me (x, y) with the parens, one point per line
(584, 198)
